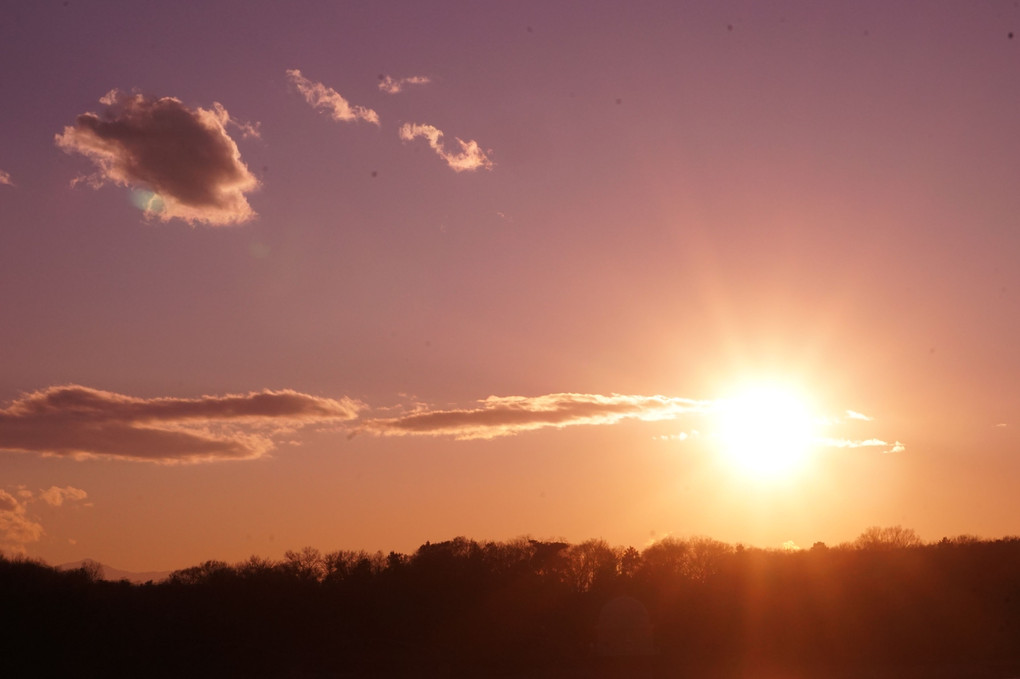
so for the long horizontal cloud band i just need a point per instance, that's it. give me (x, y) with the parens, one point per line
(103, 406)
(501, 416)
(82, 422)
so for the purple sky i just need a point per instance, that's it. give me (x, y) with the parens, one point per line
(504, 295)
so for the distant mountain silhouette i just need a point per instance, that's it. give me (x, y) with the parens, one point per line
(115, 574)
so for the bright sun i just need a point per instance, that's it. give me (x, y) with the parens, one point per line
(766, 431)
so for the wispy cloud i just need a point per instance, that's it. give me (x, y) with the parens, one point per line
(507, 415)
(894, 447)
(470, 158)
(679, 436)
(55, 495)
(249, 130)
(18, 527)
(395, 85)
(5, 179)
(8, 503)
(184, 156)
(327, 99)
(498, 416)
(80, 422)
(854, 415)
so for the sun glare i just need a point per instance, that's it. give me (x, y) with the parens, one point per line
(766, 432)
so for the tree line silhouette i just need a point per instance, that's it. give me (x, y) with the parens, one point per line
(885, 605)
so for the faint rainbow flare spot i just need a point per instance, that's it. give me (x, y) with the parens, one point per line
(147, 201)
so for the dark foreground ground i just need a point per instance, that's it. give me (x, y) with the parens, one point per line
(529, 609)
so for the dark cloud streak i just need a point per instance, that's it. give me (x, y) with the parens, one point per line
(78, 421)
(508, 415)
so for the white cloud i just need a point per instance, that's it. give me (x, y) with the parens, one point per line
(894, 447)
(682, 436)
(248, 129)
(394, 85)
(80, 422)
(508, 415)
(184, 156)
(853, 415)
(18, 527)
(55, 495)
(498, 416)
(470, 158)
(327, 99)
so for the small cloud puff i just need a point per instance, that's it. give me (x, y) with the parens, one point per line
(80, 422)
(17, 527)
(509, 415)
(396, 85)
(326, 98)
(55, 496)
(183, 155)
(470, 158)
(5, 179)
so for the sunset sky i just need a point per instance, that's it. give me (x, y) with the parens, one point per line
(364, 274)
